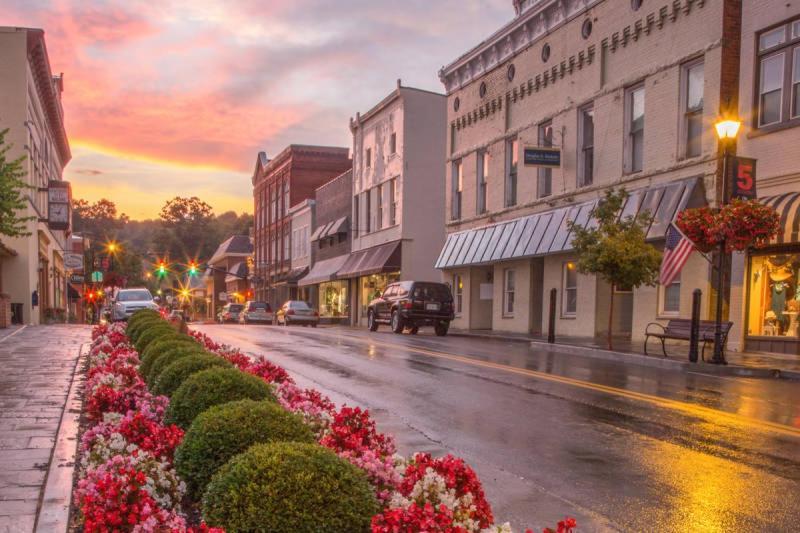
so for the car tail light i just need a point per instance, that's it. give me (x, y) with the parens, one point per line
(408, 305)
(316, 313)
(290, 312)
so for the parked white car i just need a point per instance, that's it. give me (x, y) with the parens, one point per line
(128, 301)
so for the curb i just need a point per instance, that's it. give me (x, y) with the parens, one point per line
(54, 509)
(644, 360)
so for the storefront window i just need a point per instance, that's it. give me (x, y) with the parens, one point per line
(774, 295)
(333, 299)
(372, 286)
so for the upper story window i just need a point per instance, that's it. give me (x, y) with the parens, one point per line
(692, 101)
(393, 201)
(544, 187)
(368, 158)
(634, 126)
(512, 160)
(586, 145)
(457, 184)
(393, 143)
(379, 192)
(778, 85)
(483, 175)
(368, 211)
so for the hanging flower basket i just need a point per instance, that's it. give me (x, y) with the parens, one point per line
(748, 224)
(742, 224)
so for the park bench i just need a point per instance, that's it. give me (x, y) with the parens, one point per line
(681, 329)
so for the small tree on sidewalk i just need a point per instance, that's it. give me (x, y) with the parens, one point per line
(11, 199)
(616, 250)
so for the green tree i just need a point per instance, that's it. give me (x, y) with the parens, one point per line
(187, 229)
(99, 220)
(615, 249)
(11, 186)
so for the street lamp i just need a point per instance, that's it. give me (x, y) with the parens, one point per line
(727, 130)
(112, 248)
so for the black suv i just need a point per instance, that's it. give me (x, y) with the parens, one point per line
(411, 304)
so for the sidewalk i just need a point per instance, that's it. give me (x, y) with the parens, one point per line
(37, 366)
(739, 363)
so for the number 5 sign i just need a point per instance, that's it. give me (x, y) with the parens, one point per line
(743, 178)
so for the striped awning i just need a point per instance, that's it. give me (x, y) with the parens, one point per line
(788, 207)
(548, 232)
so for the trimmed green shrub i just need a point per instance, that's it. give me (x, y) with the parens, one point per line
(141, 315)
(152, 333)
(211, 387)
(289, 487)
(176, 372)
(222, 431)
(134, 330)
(168, 357)
(158, 345)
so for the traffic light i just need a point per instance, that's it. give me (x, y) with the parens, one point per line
(162, 269)
(192, 268)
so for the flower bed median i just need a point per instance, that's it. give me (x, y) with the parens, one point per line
(238, 446)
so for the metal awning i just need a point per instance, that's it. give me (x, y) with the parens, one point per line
(382, 258)
(548, 232)
(331, 228)
(236, 273)
(291, 277)
(324, 270)
(788, 207)
(317, 235)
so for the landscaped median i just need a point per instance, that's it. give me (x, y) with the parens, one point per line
(184, 434)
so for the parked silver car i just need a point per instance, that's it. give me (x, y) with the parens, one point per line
(256, 313)
(128, 301)
(297, 312)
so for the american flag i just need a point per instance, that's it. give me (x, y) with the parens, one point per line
(676, 252)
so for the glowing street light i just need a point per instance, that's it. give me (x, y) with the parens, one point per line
(727, 129)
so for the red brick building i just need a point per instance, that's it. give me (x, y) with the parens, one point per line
(279, 183)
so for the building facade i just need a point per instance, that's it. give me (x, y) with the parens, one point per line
(330, 245)
(227, 279)
(398, 194)
(303, 218)
(567, 100)
(33, 273)
(278, 184)
(765, 292)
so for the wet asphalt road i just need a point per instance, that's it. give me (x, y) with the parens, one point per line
(620, 447)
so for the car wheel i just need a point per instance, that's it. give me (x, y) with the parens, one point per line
(372, 325)
(441, 328)
(414, 330)
(313, 325)
(397, 322)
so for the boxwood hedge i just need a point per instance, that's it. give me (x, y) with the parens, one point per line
(167, 358)
(176, 372)
(226, 430)
(211, 387)
(289, 487)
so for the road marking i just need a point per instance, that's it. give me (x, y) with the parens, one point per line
(14, 332)
(693, 409)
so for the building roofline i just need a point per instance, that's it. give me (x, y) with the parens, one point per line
(337, 178)
(39, 61)
(388, 99)
(292, 149)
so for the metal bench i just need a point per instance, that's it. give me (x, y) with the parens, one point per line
(681, 329)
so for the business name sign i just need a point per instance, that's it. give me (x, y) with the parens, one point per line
(742, 178)
(73, 261)
(541, 157)
(76, 279)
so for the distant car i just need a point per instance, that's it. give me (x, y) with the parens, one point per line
(128, 301)
(256, 312)
(412, 304)
(297, 312)
(230, 313)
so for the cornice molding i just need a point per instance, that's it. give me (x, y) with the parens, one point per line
(529, 26)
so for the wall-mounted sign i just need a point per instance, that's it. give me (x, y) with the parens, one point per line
(97, 277)
(541, 157)
(73, 261)
(76, 279)
(742, 178)
(59, 214)
(223, 297)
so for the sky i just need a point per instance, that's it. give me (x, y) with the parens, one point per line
(177, 97)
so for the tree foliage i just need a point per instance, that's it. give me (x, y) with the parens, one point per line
(12, 201)
(615, 248)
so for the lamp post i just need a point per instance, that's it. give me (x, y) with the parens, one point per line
(727, 130)
(111, 248)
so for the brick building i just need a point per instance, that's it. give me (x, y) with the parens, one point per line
(289, 178)
(227, 279)
(330, 245)
(626, 93)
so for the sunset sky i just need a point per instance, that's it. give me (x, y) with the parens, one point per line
(176, 97)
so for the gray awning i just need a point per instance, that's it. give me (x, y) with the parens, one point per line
(330, 228)
(382, 258)
(323, 271)
(548, 232)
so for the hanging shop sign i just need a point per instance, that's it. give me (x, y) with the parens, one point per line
(73, 261)
(541, 157)
(76, 279)
(59, 214)
(97, 277)
(743, 178)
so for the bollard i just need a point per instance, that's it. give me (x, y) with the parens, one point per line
(694, 333)
(551, 326)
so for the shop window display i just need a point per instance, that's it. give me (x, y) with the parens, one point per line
(333, 300)
(774, 295)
